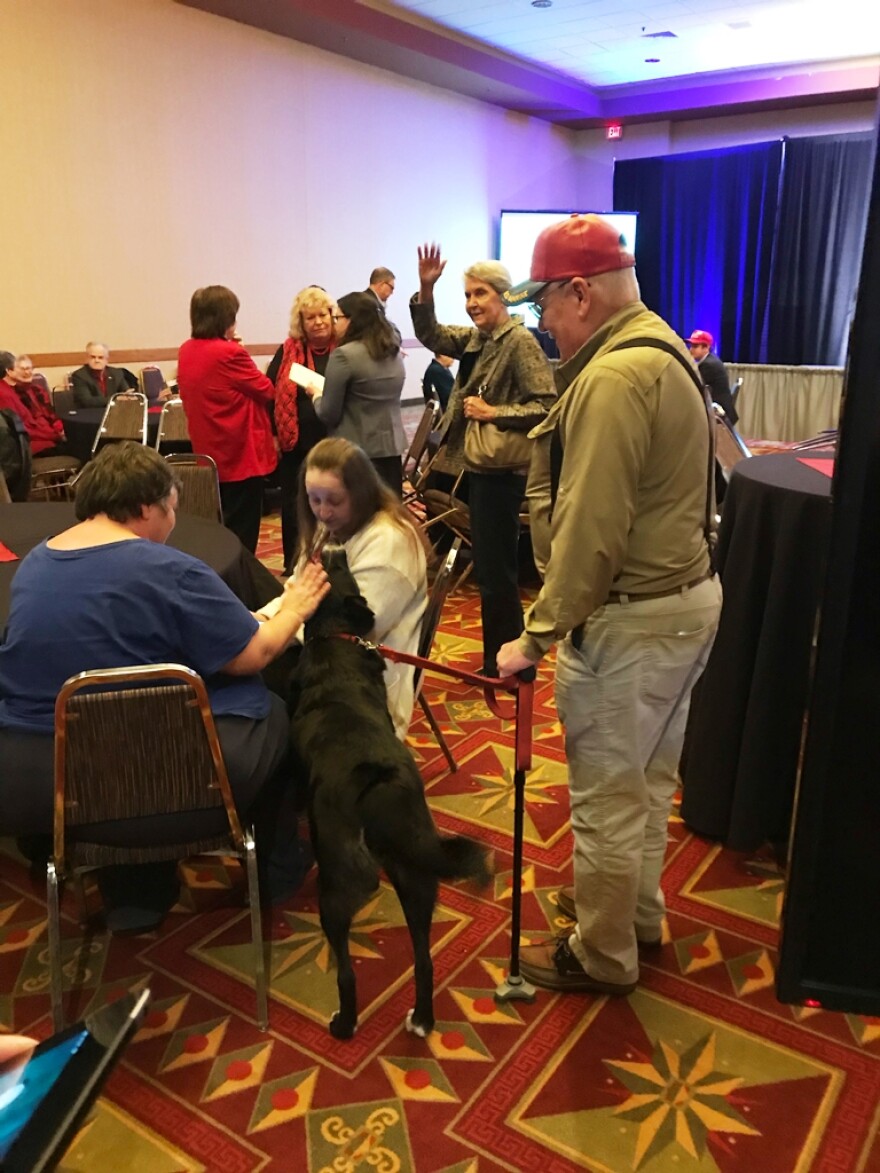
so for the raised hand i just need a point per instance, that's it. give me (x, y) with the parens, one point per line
(430, 266)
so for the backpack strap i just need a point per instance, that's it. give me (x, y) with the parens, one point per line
(662, 344)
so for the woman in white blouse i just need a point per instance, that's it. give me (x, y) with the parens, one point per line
(342, 492)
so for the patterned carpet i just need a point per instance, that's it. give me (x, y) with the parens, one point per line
(700, 1069)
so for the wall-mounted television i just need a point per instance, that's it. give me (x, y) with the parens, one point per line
(517, 231)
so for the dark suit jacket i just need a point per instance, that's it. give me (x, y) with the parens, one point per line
(714, 375)
(87, 390)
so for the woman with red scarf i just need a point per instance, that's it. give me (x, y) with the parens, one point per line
(309, 343)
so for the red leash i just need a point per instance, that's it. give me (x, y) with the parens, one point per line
(522, 687)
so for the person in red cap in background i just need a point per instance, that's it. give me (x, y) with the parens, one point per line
(622, 503)
(712, 371)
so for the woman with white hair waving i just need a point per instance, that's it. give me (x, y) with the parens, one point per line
(503, 389)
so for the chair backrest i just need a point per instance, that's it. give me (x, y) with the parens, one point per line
(152, 382)
(172, 422)
(43, 383)
(5, 498)
(199, 494)
(125, 418)
(730, 448)
(419, 442)
(62, 400)
(16, 460)
(133, 742)
(735, 389)
(434, 609)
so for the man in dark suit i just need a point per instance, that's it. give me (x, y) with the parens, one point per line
(381, 285)
(712, 371)
(94, 382)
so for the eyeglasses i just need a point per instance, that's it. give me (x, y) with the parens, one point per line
(339, 317)
(538, 305)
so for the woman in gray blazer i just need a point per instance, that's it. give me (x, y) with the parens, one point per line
(362, 386)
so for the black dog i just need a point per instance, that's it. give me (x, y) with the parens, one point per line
(367, 803)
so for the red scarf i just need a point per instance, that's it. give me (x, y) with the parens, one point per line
(286, 413)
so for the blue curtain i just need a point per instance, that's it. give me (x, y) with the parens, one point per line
(760, 245)
(707, 222)
(817, 259)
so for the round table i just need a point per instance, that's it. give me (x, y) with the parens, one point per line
(23, 526)
(744, 733)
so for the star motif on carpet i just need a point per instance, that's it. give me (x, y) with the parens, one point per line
(678, 1098)
(307, 939)
(498, 790)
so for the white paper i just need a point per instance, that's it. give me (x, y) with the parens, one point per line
(304, 377)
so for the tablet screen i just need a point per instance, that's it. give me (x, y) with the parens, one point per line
(26, 1085)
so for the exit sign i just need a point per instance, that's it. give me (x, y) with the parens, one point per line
(614, 131)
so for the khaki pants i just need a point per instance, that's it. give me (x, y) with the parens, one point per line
(623, 698)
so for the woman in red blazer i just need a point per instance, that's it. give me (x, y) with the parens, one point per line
(228, 404)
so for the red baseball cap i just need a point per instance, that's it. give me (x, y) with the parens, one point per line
(700, 338)
(581, 246)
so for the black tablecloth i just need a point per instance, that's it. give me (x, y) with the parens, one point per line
(747, 714)
(24, 526)
(81, 425)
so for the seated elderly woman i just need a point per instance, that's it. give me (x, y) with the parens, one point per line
(342, 492)
(108, 593)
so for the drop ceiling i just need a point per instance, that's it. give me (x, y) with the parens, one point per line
(587, 62)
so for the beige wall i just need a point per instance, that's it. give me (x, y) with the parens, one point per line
(152, 148)
(155, 149)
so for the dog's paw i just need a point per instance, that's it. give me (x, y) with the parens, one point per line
(416, 1028)
(341, 1029)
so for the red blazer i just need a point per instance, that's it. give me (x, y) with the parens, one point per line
(228, 405)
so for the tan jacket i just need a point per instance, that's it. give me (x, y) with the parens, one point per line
(517, 375)
(631, 507)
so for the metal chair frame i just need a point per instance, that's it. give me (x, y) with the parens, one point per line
(120, 405)
(185, 768)
(730, 447)
(419, 444)
(430, 622)
(173, 426)
(192, 469)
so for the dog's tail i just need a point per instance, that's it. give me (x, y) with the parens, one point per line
(456, 857)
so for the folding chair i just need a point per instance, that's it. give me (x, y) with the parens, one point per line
(173, 429)
(130, 743)
(418, 445)
(151, 382)
(125, 418)
(199, 485)
(730, 447)
(443, 506)
(430, 623)
(62, 400)
(735, 390)
(43, 383)
(53, 477)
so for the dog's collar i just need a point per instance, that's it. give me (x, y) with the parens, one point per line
(356, 639)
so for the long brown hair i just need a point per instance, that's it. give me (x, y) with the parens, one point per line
(368, 493)
(367, 323)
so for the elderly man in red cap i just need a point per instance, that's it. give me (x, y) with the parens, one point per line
(712, 371)
(622, 504)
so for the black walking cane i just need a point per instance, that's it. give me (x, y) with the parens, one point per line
(515, 987)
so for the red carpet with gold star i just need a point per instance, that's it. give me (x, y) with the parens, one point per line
(699, 1069)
